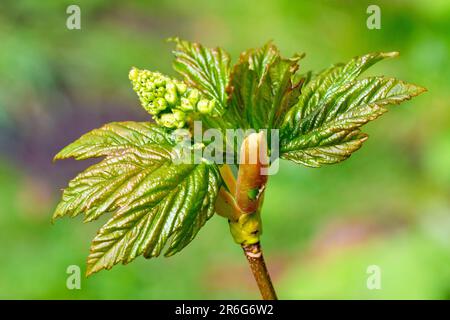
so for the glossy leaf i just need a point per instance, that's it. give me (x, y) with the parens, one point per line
(114, 137)
(106, 186)
(261, 87)
(324, 84)
(169, 206)
(205, 69)
(154, 200)
(324, 127)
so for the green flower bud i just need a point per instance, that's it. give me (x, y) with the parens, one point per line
(172, 120)
(159, 81)
(170, 86)
(160, 104)
(186, 105)
(181, 87)
(170, 101)
(171, 98)
(148, 96)
(180, 117)
(205, 106)
(193, 96)
(167, 120)
(160, 92)
(148, 106)
(133, 75)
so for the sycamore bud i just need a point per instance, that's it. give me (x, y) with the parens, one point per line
(169, 101)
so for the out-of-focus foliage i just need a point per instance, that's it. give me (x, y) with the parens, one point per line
(388, 205)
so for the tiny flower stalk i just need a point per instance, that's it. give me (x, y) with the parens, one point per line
(243, 210)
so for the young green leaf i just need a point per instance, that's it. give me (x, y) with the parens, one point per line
(324, 126)
(115, 137)
(261, 87)
(203, 68)
(169, 206)
(154, 200)
(327, 82)
(106, 186)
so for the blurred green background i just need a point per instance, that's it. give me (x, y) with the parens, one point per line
(388, 205)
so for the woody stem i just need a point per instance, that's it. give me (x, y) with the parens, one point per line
(255, 259)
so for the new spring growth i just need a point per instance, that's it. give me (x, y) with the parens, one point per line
(169, 101)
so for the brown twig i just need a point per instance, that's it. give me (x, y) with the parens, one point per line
(255, 258)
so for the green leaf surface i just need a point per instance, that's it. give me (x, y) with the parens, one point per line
(154, 200)
(169, 206)
(205, 69)
(324, 126)
(261, 87)
(106, 186)
(325, 84)
(114, 137)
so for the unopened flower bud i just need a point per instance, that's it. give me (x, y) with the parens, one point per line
(205, 106)
(179, 115)
(193, 96)
(186, 105)
(167, 120)
(171, 98)
(172, 120)
(160, 104)
(160, 82)
(160, 92)
(170, 86)
(170, 101)
(133, 75)
(181, 87)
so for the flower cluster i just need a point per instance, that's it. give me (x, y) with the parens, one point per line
(169, 101)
